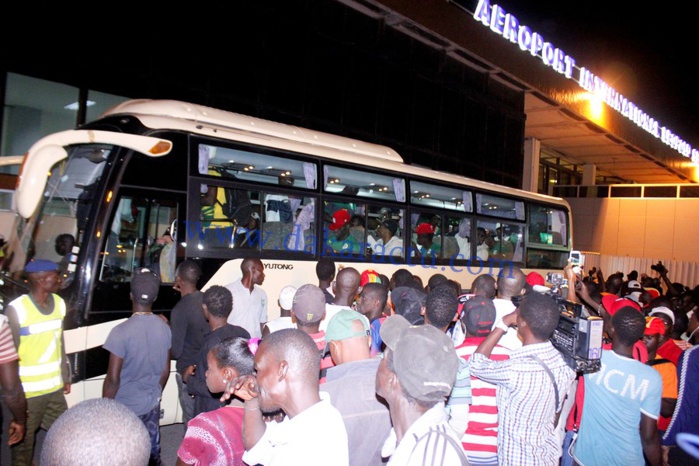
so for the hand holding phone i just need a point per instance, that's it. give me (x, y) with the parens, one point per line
(577, 261)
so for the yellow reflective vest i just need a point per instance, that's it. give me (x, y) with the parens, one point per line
(39, 346)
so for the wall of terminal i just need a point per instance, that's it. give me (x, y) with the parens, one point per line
(649, 228)
(312, 63)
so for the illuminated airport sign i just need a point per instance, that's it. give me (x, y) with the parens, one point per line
(507, 25)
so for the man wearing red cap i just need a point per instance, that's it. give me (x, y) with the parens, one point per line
(342, 242)
(667, 348)
(655, 329)
(425, 246)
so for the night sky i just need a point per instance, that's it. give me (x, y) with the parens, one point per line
(644, 52)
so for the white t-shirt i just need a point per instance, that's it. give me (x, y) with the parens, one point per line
(280, 323)
(249, 309)
(510, 340)
(330, 311)
(314, 437)
(394, 247)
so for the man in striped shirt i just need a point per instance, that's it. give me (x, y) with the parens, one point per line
(532, 383)
(480, 438)
(12, 392)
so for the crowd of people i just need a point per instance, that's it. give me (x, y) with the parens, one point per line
(365, 369)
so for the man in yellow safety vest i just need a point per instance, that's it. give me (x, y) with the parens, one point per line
(36, 320)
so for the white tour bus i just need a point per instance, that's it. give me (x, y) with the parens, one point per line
(228, 186)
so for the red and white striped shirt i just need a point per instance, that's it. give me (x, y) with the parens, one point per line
(8, 352)
(480, 441)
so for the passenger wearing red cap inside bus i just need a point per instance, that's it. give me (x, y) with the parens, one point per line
(425, 245)
(340, 241)
(36, 321)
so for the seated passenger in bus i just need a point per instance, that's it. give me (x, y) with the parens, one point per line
(388, 243)
(248, 236)
(218, 230)
(502, 247)
(485, 242)
(463, 239)
(425, 245)
(341, 241)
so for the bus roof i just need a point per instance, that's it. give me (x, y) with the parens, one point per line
(171, 114)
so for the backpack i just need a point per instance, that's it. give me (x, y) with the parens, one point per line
(237, 207)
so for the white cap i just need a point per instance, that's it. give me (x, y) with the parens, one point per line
(286, 297)
(664, 310)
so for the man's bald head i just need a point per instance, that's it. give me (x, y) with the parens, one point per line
(346, 286)
(511, 282)
(297, 349)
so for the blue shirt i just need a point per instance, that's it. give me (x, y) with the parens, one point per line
(615, 398)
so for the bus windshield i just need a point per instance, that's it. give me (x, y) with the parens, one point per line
(63, 210)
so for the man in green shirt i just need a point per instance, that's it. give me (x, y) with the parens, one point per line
(342, 242)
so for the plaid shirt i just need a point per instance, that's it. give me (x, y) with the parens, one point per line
(525, 400)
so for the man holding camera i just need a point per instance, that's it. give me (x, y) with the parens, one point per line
(532, 384)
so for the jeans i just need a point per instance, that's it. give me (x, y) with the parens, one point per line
(152, 422)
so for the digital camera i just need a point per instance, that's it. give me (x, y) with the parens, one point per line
(659, 267)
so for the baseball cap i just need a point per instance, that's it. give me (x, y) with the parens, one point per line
(309, 304)
(408, 302)
(423, 358)
(369, 276)
(340, 219)
(424, 229)
(390, 225)
(286, 297)
(479, 315)
(537, 282)
(535, 278)
(342, 326)
(613, 303)
(634, 285)
(145, 285)
(654, 292)
(654, 325)
(40, 265)
(664, 310)
(463, 299)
